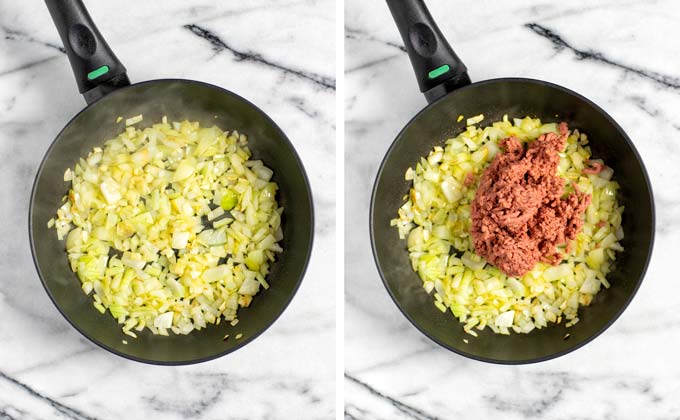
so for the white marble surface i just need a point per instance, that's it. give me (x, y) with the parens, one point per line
(622, 55)
(277, 54)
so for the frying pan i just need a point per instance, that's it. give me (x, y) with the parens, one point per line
(443, 79)
(102, 80)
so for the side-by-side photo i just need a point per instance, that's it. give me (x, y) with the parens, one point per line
(339, 209)
(173, 206)
(499, 170)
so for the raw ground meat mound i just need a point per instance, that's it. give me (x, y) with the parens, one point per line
(518, 214)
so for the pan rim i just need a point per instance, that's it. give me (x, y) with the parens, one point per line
(243, 342)
(618, 313)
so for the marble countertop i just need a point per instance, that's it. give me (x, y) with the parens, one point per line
(621, 55)
(269, 52)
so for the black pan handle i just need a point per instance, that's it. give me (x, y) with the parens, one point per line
(437, 67)
(95, 66)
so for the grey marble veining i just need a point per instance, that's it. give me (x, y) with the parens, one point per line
(279, 55)
(623, 56)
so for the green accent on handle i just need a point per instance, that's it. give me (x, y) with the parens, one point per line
(439, 71)
(97, 72)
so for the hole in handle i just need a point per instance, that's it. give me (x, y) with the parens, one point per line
(82, 41)
(422, 39)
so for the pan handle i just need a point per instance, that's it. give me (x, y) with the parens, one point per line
(95, 66)
(438, 69)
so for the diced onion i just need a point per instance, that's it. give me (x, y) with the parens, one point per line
(476, 119)
(133, 120)
(136, 232)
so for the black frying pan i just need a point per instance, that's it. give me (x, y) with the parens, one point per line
(443, 79)
(103, 81)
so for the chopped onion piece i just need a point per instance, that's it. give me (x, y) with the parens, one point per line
(134, 120)
(163, 321)
(476, 119)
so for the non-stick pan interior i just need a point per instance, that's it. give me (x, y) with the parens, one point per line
(178, 100)
(517, 98)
